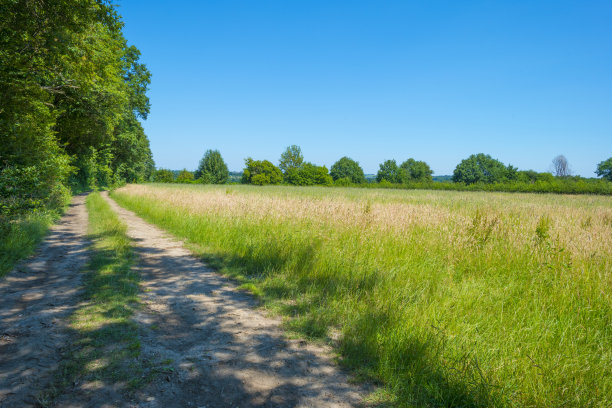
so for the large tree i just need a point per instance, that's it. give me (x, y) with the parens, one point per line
(212, 168)
(604, 169)
(482, 168)
(70, 92)
(388, 171)
(347, 168)
(414, 170)
(291, 158)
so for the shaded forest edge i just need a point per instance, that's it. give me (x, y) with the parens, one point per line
(72, 91)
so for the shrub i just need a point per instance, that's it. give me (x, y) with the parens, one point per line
(163, 176)
(185, 176)
(261, 172)
(343, 182)
(308, 175)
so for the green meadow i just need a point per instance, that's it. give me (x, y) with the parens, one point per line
(442, 298)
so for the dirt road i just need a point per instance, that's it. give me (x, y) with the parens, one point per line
(225, 353)
(35, 300)
(220, 350)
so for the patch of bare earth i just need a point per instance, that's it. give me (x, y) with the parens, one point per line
(221, 350)
(35, 300)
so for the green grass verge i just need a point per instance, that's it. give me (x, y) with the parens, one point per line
(107, 348)
(19, 238)
(483, 307)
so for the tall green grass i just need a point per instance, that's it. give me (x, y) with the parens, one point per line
(19, 238)
(444, 298)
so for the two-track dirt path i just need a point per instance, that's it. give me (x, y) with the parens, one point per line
(225, 352)
(222, 350)
(35, 300)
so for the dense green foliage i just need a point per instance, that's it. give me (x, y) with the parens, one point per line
(212, 168)
(389, 171)
(308, 174)
(19, 238)
(482, 168)
(292, 159)
(185, 176)
(448, 299)
(531, 176)
(604, 169)
(408, 172)
(414, 171)
(572, 185)
(347, 168)
(71, 93)
(261, 172)
(163, 176)
(477, 173)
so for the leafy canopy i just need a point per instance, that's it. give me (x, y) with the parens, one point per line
(291, 158)
(184, 176)
(482, 168)
(212, 168)
(604, 169)
(414, 171)
(71, 93)
(163, 176)
(261, 172)
(389, 172)
(307, 175)
(347, 168)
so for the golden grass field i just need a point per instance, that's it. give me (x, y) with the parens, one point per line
(444, 298)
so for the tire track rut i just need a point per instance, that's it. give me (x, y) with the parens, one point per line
(223, 352)
(35, 300)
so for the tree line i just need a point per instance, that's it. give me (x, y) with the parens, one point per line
(477, 172)
(72, 92)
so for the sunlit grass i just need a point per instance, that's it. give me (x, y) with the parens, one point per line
(19, 238)
(107, 347)
(446, 298)
(108, 335)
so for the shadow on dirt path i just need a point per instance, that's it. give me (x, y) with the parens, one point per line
(35, 299)
(220, 350)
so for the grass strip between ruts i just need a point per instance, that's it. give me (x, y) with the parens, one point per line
(106, 350)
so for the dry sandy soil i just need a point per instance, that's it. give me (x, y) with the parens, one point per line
(35, 300)
(223, 350)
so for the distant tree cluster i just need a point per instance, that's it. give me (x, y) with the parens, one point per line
(409, 171)
(476, 172)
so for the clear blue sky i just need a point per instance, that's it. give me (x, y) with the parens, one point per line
(375, 80)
